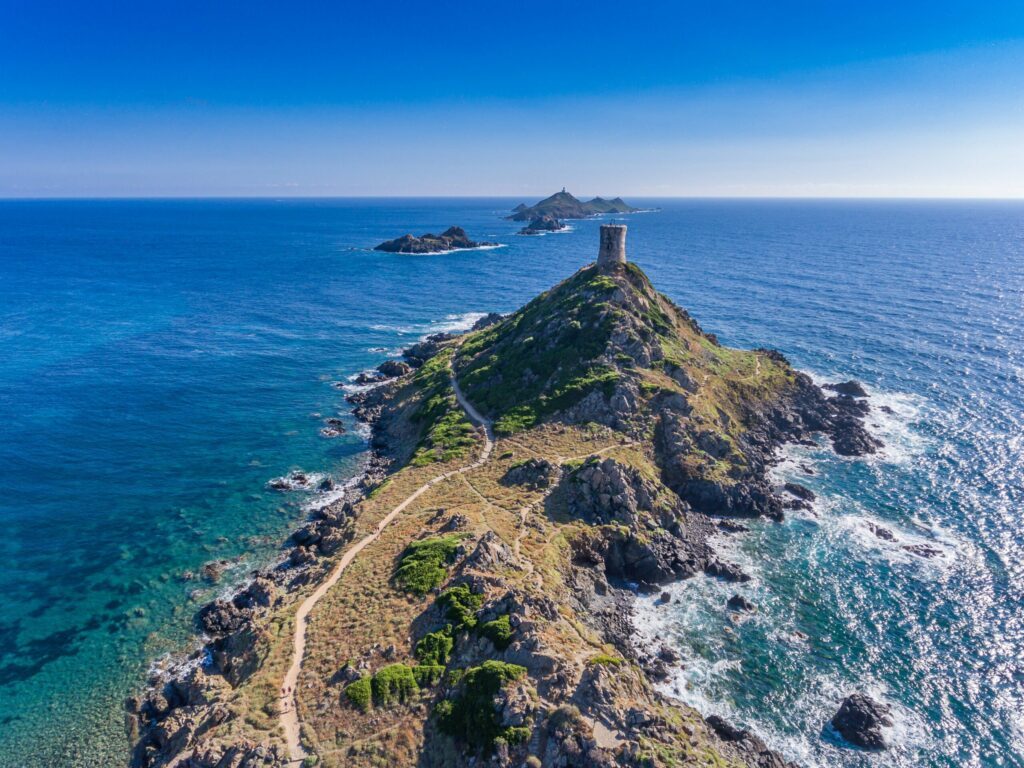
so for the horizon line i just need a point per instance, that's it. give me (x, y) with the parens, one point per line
(879, 198)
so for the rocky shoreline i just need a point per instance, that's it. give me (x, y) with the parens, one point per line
(164, 718)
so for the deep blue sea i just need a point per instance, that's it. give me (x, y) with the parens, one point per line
(160, 361)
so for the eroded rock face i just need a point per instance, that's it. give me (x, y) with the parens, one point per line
(421, 351)
(606, 491)
(491, 318)
(646, 560)
(750, 747)
(393, 368)
(860, 721)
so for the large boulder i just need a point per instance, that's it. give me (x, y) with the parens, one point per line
(849, 388)
(393, 368)
(535, 474)
(860, 721)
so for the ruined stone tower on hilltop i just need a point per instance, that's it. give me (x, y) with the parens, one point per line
(612, 254)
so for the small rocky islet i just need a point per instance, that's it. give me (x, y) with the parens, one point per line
(539, 225)
(452, 239)
(490, 621)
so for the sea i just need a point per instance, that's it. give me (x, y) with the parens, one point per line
(161, 361)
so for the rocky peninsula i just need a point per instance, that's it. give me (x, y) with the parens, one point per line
(469, 603)
(563, 205)
(452, 239)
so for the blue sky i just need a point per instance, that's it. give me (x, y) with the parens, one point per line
(828, 98)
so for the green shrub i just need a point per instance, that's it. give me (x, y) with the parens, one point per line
(605, 659)
(359, 693)
(436, 647)
(542, 359)
(461, 606)
(427, 675)
(394, 683)
(447, 432)
(498, 632)
(516, 734)
(469, 715)
(422, 565)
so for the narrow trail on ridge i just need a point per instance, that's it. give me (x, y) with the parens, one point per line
(289, 711)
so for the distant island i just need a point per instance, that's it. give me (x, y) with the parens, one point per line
(563, 205)
(542, 224)
(452, 239)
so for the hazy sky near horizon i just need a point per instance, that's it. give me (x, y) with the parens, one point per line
(784, 98)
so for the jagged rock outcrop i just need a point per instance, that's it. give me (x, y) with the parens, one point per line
(541, 224)
(536, 474)
(861, 720)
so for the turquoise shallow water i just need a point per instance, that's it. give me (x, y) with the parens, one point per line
(161, 360)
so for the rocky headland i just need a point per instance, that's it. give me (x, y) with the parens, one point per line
(469, 603)
(452, 239)
(563, 205)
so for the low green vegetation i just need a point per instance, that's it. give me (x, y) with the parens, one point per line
(428, 675)
(541, 359)
(468, 714)
(460, 606)
(498, 632)
(360, 693)
(393, 684)
(435, 648)
(447, 432)
(423, 565)
(604, 659)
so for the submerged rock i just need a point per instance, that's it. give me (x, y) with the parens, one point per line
(740, 603)
(860, 721)
(801, 492)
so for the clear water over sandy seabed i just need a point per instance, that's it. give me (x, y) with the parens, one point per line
(160, 361)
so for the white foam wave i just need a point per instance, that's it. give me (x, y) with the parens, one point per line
(702, 681)
(449, 324)
(895, 543)
(892, 419)
(339, 492)
(444, 253)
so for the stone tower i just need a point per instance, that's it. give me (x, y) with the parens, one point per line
(613, 247)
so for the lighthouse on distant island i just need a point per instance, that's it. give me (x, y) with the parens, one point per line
(612, 254)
